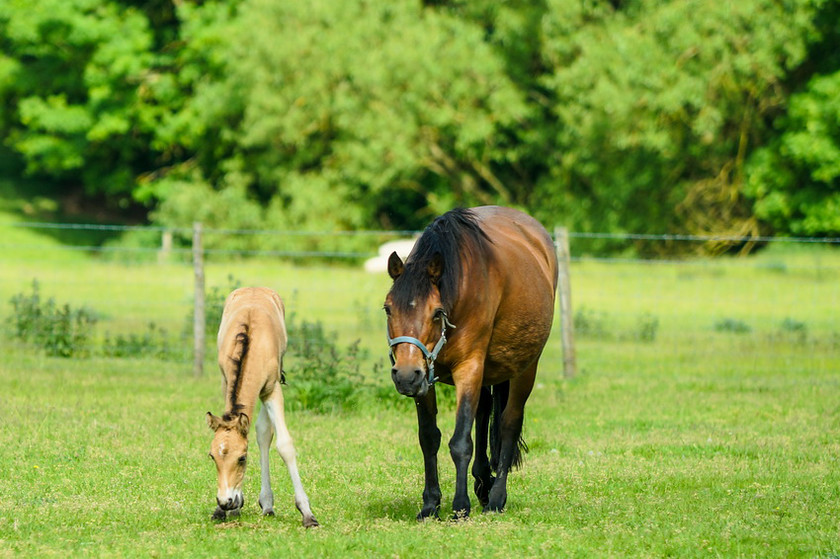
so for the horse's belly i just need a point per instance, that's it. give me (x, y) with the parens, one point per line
(515, 351)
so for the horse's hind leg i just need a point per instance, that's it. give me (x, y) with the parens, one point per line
(285, 447)
(265, 433)
(509, 434)
(481, 470)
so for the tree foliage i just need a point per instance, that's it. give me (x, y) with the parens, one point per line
(636, 116)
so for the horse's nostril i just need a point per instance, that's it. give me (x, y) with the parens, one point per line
(393, 372)
(418, 372)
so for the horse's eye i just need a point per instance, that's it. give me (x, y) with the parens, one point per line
(387, 310)
(243, 459)
(210, 455)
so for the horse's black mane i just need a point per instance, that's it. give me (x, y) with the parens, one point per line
(454, 233)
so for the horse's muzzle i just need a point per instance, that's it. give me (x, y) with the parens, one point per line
(232, 503)
(410, 381)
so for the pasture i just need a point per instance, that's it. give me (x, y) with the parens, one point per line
(705, 421)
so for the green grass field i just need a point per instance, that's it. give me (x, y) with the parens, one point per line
(681, 436)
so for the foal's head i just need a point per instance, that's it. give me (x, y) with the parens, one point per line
(229, 451)
(416, 316)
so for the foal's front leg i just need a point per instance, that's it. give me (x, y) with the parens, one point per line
(286, 448)
(429, 435)
(265, 433)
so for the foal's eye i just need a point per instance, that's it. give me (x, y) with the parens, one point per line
(243, 459)
(210, 455)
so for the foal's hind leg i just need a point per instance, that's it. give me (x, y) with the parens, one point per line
(481, 470)
(285, 447)
(511, 429)
(265, 432)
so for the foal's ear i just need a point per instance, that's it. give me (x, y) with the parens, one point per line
(213, 422)
(395, 265)
(435, 268)
(243, 424)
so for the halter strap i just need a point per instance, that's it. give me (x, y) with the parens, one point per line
(429, 356)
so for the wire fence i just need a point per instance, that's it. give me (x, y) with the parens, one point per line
(137, 286)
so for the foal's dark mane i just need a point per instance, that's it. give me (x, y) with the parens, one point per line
(452, 236)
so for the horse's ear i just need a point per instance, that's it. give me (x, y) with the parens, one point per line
(395, 265)
(213, 422)
(435, 268)
(243, 424)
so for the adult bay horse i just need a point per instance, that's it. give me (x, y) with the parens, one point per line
(252, 340)
(492, 272)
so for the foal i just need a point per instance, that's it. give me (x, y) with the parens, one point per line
(252, 340)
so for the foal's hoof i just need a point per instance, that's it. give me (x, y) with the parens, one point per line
(310, 522)
(219, 514)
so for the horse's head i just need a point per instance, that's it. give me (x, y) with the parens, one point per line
(416, 324)
(229, 451)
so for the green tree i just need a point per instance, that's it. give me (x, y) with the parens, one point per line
(794, 180)
(81, 94)
(659, 105)
(343, 114)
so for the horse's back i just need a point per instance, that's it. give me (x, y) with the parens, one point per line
(520, 239)
(524, 273)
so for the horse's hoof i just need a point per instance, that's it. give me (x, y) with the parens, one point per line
(219, 514)
(425, 514)
(310, 522)
(269, 512)
(460, 515)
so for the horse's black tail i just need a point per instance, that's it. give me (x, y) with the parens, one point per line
(500, 398)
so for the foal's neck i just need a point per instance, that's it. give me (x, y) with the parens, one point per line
(239, 399)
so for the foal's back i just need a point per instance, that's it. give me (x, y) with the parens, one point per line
(258, 313)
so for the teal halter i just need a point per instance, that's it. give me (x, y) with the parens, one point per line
(429, 356)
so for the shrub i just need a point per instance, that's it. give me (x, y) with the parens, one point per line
(57, 329)
(588, 322)
(324, 378)
(648, 326)
(155, 342)
(732, 325)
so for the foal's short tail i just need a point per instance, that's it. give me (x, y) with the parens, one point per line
(500, 398)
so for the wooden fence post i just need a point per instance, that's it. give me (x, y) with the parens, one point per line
(198, 314)
(165, 246)
(561, 246)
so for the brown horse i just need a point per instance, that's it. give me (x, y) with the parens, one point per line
(492, 272)
(252, 340)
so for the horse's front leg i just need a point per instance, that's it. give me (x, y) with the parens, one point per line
(461, 445)
(429, 435)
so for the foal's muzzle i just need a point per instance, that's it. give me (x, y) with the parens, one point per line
(231, 503)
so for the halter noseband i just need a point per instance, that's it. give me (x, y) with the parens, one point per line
(429, 356)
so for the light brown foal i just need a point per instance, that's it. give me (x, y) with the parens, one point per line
(252, 340)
